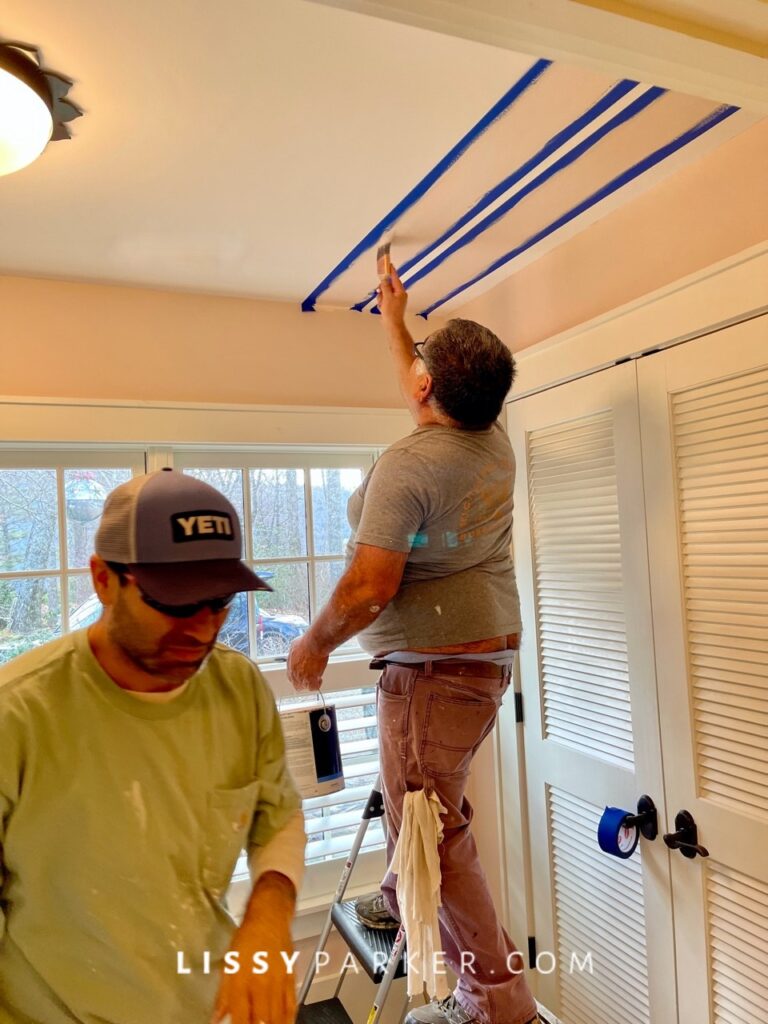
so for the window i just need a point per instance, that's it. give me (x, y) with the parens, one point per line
(50, 505)
(294, 513)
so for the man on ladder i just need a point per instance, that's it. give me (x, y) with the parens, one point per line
(429, 589)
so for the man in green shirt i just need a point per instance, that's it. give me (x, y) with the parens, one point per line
(137, 759)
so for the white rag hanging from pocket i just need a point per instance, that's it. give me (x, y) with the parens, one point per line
(416, 862)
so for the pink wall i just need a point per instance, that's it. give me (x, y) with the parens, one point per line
(701, 215)
(78, 340)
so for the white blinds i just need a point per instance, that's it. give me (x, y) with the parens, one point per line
(332, 820)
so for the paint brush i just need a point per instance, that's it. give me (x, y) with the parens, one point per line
(383, 262)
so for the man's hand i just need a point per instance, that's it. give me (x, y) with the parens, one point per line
(393, 299)
(305, 664)
(268, 998)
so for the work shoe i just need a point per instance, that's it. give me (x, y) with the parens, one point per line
(448, 1011)
(441, 1011)
(372, 911)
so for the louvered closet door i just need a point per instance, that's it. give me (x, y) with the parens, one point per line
(591, 727)
(705, 445)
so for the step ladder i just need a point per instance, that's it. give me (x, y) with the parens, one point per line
(379, 953)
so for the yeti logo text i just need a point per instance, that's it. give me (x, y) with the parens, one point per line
(205, 524)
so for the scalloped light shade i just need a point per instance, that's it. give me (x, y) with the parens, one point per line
(25, 124)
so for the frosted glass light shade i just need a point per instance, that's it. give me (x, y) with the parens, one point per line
(25, 124)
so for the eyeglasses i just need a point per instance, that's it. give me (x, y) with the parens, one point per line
(418, 347)
(215, 605)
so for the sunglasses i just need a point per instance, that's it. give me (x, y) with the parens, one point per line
(215, 605)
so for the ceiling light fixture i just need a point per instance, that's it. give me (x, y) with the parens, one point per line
(33, 106)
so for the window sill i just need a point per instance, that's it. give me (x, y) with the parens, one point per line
(344, 672)
(311, 911)
(344, 658)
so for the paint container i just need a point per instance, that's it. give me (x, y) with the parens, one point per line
(312, 749)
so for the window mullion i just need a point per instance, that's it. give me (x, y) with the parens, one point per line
(247, 529)
(21, 574)
(158, 457)
(63, 554)
(289, 560)
(310, 525)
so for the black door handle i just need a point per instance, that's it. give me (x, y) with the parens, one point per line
(686, 838)
(646, 818)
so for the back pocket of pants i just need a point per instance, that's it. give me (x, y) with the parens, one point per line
(454, 726)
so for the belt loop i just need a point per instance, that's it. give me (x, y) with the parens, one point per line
(428, 668)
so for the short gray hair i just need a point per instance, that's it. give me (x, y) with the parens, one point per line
(471, 370)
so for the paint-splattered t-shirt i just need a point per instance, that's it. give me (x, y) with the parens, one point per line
(444, 495)
(120, 824)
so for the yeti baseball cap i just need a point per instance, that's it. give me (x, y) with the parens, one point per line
(179, 536)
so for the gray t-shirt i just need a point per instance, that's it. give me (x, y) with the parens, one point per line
(445, 496)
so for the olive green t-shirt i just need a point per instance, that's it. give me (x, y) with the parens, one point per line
(444, 495)
(120, 824)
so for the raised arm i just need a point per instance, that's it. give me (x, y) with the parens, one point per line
(369, 584)
(392, 302)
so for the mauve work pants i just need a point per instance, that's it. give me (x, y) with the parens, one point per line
(429, 729)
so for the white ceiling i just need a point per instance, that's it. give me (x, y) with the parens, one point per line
(241, 148)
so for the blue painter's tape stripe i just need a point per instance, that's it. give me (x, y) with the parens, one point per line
(374, 235)
(627, 114)
(707, 123)
(618, 92)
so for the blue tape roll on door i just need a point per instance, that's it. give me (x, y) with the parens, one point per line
(614, 837)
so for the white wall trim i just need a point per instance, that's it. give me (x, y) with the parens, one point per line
(726, 292)
(588, 37)
(67, 421)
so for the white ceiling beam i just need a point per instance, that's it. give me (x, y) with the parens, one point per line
(587, 37)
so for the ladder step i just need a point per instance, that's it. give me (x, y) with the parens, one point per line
(327, 1011)
(365, 942)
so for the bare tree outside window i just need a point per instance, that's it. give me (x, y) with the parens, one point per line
(48, 518)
